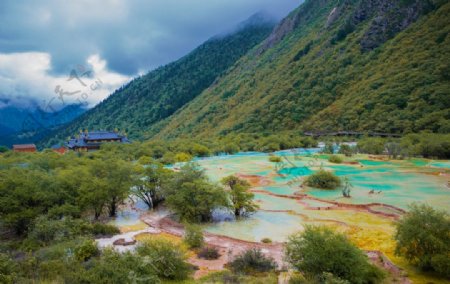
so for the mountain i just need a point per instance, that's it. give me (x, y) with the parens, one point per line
(30, 125)
(357, 65)
(362, 65)
(157, 95)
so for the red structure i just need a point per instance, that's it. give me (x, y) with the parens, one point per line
(26, 148)
(59, 149)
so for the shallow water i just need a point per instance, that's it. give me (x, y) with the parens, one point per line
(396, 183)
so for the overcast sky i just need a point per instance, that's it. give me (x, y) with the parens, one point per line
(41, 41)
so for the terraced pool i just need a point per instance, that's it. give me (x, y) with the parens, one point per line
(286, 207)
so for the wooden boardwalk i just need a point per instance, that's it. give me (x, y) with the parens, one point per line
(350, 133)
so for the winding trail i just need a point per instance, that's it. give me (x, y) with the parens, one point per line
(230, 247)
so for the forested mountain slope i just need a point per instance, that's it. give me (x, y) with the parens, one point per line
(376, 65)
(29, 125)
(157, 95)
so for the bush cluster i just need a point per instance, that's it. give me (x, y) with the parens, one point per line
(252, 261)
(335, 159)
(208, 253)
(324, 180)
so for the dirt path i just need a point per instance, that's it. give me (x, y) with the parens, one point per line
(230, 247)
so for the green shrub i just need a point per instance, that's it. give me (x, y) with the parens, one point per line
(346, 150)
(252, 261)
(208, 253)
(231, 148)
(183, 157)
(274, 159)
(86, 250)
(224, 276)
(319, 250)
(374, 146)
(114, 267)
(168, 158)
(8, 269)
(324, 180)
(266, 241)
(193, 236)
(46, 230)
(328, 149)
(335, 159)
(166, 259)
(423, 238)
(101, 230)
(4, 149)
(200, 151)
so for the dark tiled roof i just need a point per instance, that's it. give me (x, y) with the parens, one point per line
(84, 140)
(101, 135)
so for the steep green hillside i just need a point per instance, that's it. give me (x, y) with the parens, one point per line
(157, 95)
(379, 65)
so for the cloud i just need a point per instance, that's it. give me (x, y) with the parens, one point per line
(130, 35)
(26, 80)
(41, 41)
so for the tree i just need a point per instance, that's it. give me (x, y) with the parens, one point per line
(393, 149)
(324, 180)
(24, 195)
(241, 199)
(374, 146)
(3, 149)
(150, 182)
(328, 149)
(183, 157)
(189, 172)
(319, 249)
(195, 201)
(116, 177)
(346, 150)
(423, 238)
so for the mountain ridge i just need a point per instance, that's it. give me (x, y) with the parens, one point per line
(311, 77)
(158, 94)
(330, 65)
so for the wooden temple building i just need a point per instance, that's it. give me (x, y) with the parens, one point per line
(91, 141)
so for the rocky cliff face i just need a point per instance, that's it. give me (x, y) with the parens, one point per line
(385, 18)
(390, 17)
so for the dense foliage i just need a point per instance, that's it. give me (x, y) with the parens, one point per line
(157, 95)
(423, 237)
(335, 159)
(319, 249)
(241, 199)
(427, 145)
(193, 198)
(315, 72)
(325, 67)
(193, 236)
(209, 253)
(324, 180)
(252, 261)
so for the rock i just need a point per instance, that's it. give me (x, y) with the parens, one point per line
(332, 17)
(123, 242)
